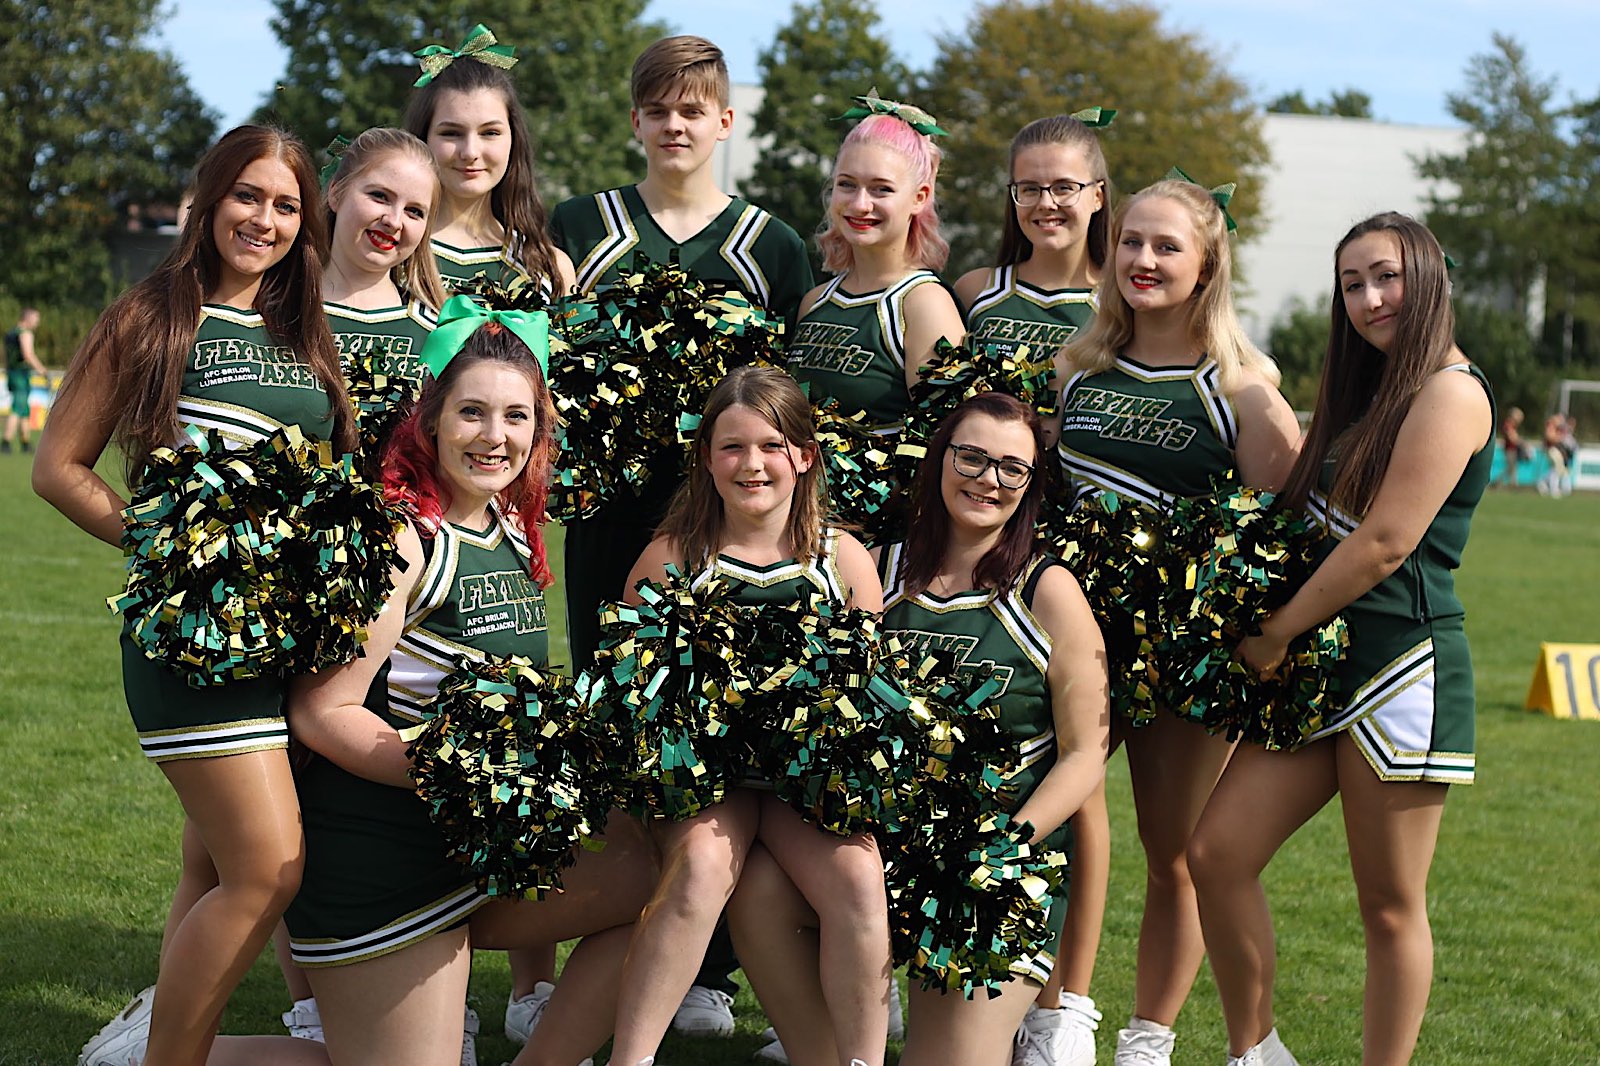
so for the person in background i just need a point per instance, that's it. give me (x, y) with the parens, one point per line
(22, 362)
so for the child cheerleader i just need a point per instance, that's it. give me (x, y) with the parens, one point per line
(752, 511)
(1398, 455)
(1165, 393)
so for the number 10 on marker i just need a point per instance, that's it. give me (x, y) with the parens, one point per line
(1566, 682)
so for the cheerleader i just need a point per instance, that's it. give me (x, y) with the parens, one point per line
(1053, 250)
(491, 221)
(227, 333)
(1398, 454)
(752, 512)
(1164, 393)
(862, 336)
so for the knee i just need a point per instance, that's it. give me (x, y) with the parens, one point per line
(856, 892)
(1388, 915)
(698, 872)
(1212, 863)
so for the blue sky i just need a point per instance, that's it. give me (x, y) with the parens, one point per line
(1406, 55)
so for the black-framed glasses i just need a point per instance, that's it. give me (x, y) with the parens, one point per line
(1065, 193)
(970, 461)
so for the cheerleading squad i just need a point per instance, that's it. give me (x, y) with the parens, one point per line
(293, 310)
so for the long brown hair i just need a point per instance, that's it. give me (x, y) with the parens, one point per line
(143, 340)
(418, 277)
(514, 202)
(1366, 394)
(1068, 132)
(694, 520)
(928, 532)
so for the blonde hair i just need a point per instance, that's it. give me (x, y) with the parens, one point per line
(682, 67)
(418, 277)
(1213, 324)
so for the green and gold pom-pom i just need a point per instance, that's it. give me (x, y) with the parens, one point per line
(628, 362)
(668, 685)
(956, 373)
(382, 393)
(865, 483)
(508, 771)
(263, 561)
(517, 292)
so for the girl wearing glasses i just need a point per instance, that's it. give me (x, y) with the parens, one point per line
(1053, 248)
(968, 575)
(1165, 393)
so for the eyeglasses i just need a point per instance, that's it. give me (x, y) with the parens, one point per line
(1065, 193)
(972, 462)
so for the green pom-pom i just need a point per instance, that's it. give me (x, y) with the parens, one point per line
(957, 372)
(865, 482)
(267, 560)
(382, 391)
(507, 768)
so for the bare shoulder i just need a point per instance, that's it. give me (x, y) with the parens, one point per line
(970, 284)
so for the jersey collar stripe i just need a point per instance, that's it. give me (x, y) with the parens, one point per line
(738, 251)
(621, 235)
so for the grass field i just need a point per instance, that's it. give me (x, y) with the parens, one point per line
(88, 841)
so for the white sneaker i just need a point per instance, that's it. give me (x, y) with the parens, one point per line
(122, 1040)
(1063, 1037)
(705, 1012)
(1144, 1043)
(304, 1021)
(772, 1052)
(1270, 1052)
(469, 1038)
(523, 1013)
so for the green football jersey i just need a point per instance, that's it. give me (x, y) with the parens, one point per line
(243, 383)
(1009, 314)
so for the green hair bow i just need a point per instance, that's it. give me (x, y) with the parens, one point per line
(1096, 118)
(335, 152)
(1222, 194)
(911, 115)
(479, 44)
(462, 316)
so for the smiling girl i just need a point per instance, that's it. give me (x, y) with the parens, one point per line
(227, 333)
(1164, 393)
(1397, 457)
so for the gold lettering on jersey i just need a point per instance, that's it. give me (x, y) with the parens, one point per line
(232, 360)
(1040, 336)
(505, 599)
(827, 346)
(957, 645)
(1117, 416)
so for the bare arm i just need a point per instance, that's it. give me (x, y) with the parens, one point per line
(931, 314)
(28, 355)
(80, 425)
(969, 285)
(1448, 423)
(327, 710)
(566, 279)
(860, 575)
(652, 566)
(1269, 434)
(1078, 703)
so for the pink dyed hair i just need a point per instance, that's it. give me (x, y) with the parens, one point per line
(925, 247)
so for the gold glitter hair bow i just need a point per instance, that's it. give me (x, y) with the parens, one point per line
(910, 114)
(1222, 194)
(480, 44)
(1096, 118)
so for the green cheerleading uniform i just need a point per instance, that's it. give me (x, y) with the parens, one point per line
(18, 375)
(1148, 434)
(397, 332)
(785, 582)
(743, 247)
(241, 382)
(377, 876)
(1407, 676)
(997, 630)
(497, 262)
(1010, 314)
(853, 348)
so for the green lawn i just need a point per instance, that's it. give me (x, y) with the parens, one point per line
(88, 843)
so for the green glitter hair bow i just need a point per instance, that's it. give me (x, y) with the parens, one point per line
(462, 316)
(335, 151)
(1222, 194)
(911, 115)
(1096, 118)
(480, 44)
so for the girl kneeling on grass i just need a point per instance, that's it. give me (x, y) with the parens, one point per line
(755, 502)
(385, 920)
(1397, 457)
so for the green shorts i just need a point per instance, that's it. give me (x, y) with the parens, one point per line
(178, 721)
(20, 384)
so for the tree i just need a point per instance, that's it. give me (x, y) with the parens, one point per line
(1346, 103)
(1299, 344)
(95, 120)
(1019, 60)
(828, 52)
(350, 67)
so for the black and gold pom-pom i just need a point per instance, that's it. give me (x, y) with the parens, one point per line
(382, 393)
(263, 561)
(956, 373)
(509, 773)
(865, 483)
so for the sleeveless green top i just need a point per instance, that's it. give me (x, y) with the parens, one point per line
(781, 583)
(1009, 313)
(852, 348)
(398, 331)
(1149, 434)
(499, 263)
(243, 383)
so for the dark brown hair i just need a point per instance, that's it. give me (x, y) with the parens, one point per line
(143, 340)
(514, 202)
(1068, 132)
(1366, 394)
(928, 532)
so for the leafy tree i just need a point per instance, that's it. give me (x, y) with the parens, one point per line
(1299, 344)
(95, 120)
(1346, 103)
(829, 51)
(1019, 60)
(350, 67)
